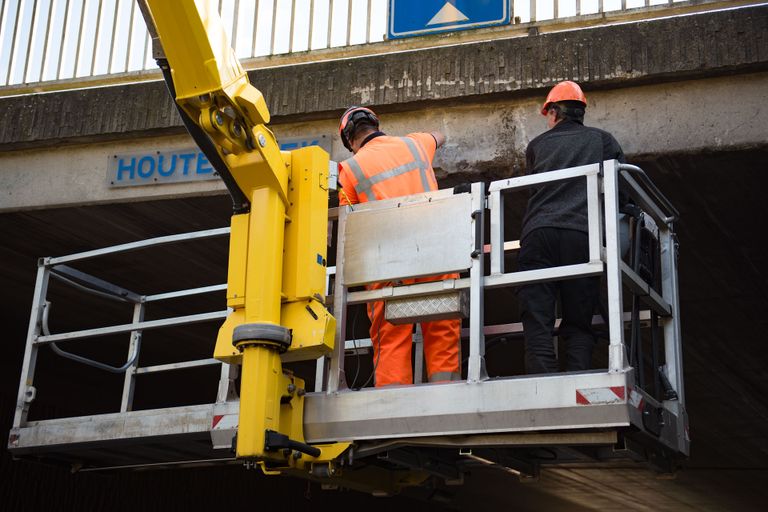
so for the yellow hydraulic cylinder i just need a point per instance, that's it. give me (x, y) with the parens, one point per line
(260, 392)
(264, 265)
(262, 371)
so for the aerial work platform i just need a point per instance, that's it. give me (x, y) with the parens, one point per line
(632, 409)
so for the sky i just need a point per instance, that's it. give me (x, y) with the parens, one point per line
(40, 39)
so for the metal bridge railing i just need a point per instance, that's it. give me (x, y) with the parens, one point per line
(46, 40)
(43, 42)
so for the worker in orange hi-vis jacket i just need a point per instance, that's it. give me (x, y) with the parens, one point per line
(384, 167)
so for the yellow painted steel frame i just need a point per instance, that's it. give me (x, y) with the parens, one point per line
(277, 264)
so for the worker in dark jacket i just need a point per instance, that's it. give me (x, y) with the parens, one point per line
(555, 233)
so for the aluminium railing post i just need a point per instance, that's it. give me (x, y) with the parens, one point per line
(254, 39)
(235, 18)
(26, 393)
(323, 362)
(349, 22)
(130, 37)
(368, 23)
(29, 42)
(227, 391)
(115, 20)
(291, 27)
(386, 24)
(671, 325)
(96, 38)
(80, 32)
(62, 39)
(46, 53)
(320, 373)
(274, 24)
(12, 51)
(147, 40)
(476, 367)
(418, 355)
(336, 378)
(134, 347)
(496, 207)
(673, 349)
(311, 28)
(593, 217)
(616, 359)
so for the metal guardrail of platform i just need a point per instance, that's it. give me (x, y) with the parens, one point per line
(619, 395)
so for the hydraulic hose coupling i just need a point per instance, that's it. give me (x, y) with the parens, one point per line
(269, 335)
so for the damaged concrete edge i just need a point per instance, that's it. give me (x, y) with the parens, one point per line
(660, 50)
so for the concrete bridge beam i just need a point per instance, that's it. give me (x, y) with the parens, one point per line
(486, 139)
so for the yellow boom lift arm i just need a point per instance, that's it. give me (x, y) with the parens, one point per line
(277, 255)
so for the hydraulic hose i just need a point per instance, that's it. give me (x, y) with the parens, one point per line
(240, 203)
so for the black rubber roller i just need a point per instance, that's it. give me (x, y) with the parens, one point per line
(265, 333)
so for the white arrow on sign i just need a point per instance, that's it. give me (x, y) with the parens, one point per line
(447, 14)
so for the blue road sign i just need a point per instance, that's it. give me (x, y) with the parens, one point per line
(408, 18)
(156, 167)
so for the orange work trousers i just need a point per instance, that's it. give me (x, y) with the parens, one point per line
(392, 344)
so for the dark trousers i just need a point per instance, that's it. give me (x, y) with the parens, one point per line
(552, 247)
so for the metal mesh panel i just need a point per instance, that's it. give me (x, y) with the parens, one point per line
(424, 309)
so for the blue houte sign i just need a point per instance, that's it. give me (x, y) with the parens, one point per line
(179, 165)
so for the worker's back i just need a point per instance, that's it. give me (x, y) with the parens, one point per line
(569, 144)
(387, 167)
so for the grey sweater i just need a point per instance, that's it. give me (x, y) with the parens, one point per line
(568, 144)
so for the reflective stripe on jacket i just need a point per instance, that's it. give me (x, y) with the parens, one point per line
(389, 167)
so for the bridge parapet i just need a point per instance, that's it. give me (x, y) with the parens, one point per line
(55, 45)
(677, 48)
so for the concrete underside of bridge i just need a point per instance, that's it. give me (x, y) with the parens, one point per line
(683, 95)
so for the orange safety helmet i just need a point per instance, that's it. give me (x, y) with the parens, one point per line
(564, 91)
(349, 121)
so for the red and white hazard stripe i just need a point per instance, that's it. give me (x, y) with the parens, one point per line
(600, 396)
(224, 422)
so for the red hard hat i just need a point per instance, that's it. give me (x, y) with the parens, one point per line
(350, 118)
(564, 91)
